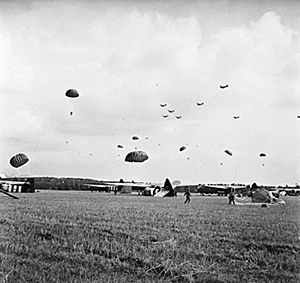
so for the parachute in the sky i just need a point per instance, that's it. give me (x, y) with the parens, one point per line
(72, 93)
(223, 86)
(200, 103)
(176, 183)
(228, 152)
(2, 176)
(262, 155)
(182, 148)
(178, 116)
(120, 146)
(19, 160)
(163, 105)
(165, 116)
(136, 156)
(171, 110)
(135, 137)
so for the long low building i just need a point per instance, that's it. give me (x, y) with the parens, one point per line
(18, 185)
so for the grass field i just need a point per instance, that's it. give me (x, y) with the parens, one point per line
(91, 237)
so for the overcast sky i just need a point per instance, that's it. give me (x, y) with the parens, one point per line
(127, 57)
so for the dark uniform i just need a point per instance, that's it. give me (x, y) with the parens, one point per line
(187, 197)
(231, 198)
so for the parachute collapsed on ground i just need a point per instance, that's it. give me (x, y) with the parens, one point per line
(136, 156)
(259, 197)
(19, 160)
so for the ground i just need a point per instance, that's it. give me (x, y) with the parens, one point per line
(71, 236)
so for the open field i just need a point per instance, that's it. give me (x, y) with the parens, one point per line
(90, 237)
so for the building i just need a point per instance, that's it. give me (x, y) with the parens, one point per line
(18, 185)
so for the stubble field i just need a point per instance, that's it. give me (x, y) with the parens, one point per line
(92, 237)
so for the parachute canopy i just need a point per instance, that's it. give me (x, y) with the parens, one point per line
(228, 152)
(182, 148)
(176, 182)
(2, 176)
(73, 93)
(259, 196)
(223, 86)
(262, 154)
(19, 160)
(136, 156)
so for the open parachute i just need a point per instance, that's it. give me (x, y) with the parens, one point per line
(182, 148)
(136, 156)
(72, 93)
(19, 160)
(260, 197)
(228, 152)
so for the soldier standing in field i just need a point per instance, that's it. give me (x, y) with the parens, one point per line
(187, 195)
(231, 198)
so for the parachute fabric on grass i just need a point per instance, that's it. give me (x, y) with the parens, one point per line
(259, 197)
(19, 160)
(136, 156)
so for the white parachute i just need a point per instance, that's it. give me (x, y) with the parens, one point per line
(260, 197)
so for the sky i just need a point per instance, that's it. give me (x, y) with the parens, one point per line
(125, 58)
